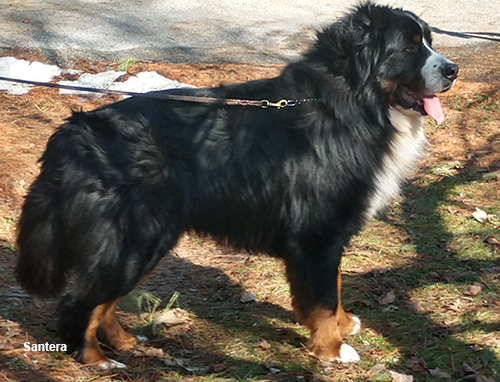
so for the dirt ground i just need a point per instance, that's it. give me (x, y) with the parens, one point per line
(27, 121)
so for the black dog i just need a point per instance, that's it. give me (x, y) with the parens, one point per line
(120, 184)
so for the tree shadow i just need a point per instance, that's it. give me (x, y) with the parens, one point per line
(210, 294)
(206, 292)
(420, 217)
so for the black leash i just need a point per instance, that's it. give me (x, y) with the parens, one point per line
(174, 97)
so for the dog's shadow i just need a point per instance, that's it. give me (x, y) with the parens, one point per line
(206, 293)
(237, 327)
(415, 327)
(210, 295)
(426, 336)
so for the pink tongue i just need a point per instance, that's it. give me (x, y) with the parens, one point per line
(433, 108)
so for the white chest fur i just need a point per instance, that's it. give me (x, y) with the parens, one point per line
(406, 148)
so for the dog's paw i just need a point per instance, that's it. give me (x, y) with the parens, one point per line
(348, 354)
(348, 323)
(357, 325)
(109, 364)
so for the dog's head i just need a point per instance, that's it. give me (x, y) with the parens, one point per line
(391, 48)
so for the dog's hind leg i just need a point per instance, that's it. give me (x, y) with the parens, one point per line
(91, 352)
(77, 327)
(93, 308)
(111, 331)
(349, 324)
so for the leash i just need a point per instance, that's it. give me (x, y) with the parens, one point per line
(264, 104)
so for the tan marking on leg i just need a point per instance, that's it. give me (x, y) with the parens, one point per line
(116, 336)
(348, 324)
(325, 340)
(91, 352)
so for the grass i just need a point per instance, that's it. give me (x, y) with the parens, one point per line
(125, 63)
(427, 248)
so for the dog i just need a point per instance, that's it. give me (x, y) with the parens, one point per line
(295, 179)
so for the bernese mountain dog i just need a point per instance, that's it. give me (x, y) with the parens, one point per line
(120, 184)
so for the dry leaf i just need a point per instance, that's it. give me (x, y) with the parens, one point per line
(184, 363)
(493, 240)
(388, 298)
(153, 353)
(450, 321)
(378, 367)
(467, 369)
(379, 371)
(482, 378)
(490, 271)
(417, 305)
(269, 364)
(283, 350)
(170, 317)
(398, 377)
(264, 345)
(219, 367)
(473, 290)
(248, 297)
(6, 345)
(169, 362)
(491, 176)
(198, 369)
(390, 308)
(437, 372)
(471, 373)
(455, 306)
(416, 365)
(434, 275)
(480, 215)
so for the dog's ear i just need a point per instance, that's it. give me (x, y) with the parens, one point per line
(371, 19)
(350, 47)
(333, 48)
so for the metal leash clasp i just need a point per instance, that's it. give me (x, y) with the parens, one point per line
(280, 104)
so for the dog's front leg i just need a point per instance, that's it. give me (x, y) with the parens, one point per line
(315, 287)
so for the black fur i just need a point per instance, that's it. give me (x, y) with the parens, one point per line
(118, 185)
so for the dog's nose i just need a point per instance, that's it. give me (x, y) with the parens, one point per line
(450, 70)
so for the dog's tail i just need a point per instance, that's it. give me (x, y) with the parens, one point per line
(43, 263)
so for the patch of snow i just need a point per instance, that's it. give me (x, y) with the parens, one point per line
(147, 82)
(96, 81)
(25, 70)
(35, 71)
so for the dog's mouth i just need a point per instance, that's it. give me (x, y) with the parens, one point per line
(425, 105)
